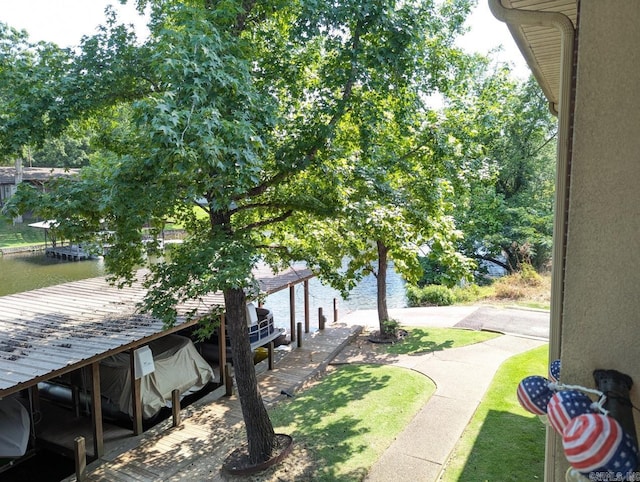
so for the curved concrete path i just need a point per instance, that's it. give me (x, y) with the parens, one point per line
(462, 376)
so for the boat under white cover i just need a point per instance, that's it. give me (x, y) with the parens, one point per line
(14, 428)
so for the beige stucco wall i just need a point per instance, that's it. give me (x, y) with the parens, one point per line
(601, 327)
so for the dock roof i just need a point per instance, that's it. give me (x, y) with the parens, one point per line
(50, 331)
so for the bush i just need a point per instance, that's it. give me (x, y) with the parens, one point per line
(506, 291)
(529, 275)
(524, 284)
(469, 293)
(430, 295)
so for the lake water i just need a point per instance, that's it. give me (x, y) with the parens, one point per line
(23, 272)
(362, 297)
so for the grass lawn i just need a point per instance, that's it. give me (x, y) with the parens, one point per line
(425, 340)
(352, 416)
(503, 442)
(19, 235)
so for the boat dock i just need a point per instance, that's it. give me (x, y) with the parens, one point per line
(68, 330)
(196, 448)
(68, 253)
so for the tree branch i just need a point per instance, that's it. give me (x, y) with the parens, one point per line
(494, 261)
(347, 91)
(266, 222)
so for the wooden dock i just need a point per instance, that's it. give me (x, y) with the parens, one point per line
(68, 253)
(196, 449)
(69, 328)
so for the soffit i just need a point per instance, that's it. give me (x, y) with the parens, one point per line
(541, 46)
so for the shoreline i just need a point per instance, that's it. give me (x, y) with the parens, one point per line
(30, 248)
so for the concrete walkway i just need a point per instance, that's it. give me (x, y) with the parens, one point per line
(462, 377)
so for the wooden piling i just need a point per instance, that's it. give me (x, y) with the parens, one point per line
(80, 457)
(228, 381)
(175, 407)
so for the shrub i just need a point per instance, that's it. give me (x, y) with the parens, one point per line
(526, 283)
(469, 293)
(390, 327)
(506, 291)
(430, 295)
(529, 275)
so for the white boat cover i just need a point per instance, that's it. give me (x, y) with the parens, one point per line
(178, 365)
(14, 428)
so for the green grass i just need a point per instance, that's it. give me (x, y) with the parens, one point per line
(19, 235)
(424, 340)
(352, 416)
(503, 441)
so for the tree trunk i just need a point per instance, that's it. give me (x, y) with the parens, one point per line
(260, 433)
(383, 312)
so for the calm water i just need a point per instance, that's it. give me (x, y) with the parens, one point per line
(362, 297)
(23, 272)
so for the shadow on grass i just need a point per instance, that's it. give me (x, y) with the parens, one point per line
(342, 417)
(418, 344)
(427, 340)
(509, 447)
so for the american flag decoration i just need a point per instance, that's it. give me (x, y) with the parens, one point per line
(594, 442)
(534, 394)
(554, 371)
(566, 405)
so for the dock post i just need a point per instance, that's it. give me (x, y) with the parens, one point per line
(228, 381)
(335, 310)
(299, 330)
(136, 397)
(321, 319)
(175, 407)
(96, 411)
(292, 311)
(306, 306)
(80, 456)
(222, 350)
(270, 350)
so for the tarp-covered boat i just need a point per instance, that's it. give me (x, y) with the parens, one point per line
(178, 365)
(14, 428)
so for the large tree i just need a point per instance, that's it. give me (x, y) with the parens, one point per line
(223, 120)
(506, 138)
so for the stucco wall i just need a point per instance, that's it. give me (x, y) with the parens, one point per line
(601, 327)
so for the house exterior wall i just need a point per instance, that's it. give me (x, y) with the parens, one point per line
(601, 325)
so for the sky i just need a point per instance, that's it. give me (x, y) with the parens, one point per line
(66, 21)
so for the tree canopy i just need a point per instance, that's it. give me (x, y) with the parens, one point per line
(233, 119)
(506, 140)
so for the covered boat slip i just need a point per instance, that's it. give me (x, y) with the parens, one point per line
(67, 330)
